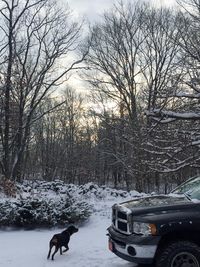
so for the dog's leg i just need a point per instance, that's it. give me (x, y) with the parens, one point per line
(66, 249)
(60, 250)
(56, 250)
(50, 248)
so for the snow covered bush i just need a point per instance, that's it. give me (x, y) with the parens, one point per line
(45, 204)
(87, 191)
(40, 211)
(42, 208)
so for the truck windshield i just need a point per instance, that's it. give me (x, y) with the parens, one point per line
(190, 188)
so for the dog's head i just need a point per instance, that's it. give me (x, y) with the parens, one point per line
(72, 229)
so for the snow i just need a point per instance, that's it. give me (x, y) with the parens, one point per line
(88, 247)
(51, 204)
(173, 115)
(187, 95)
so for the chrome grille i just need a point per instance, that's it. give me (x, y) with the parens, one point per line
(121, 219)
(122, 226)
(122, 215)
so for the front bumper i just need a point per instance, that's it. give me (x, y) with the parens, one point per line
(133, 248)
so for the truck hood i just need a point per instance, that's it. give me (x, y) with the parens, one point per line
(155, 201)
(163, 210)
(157, 205)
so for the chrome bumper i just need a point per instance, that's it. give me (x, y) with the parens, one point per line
(133, 248)
(146, 251)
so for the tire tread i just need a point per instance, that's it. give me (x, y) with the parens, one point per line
(163, 256)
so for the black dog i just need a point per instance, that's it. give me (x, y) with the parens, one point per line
(61, 240)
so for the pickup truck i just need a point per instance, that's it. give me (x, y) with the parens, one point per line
(163, 230)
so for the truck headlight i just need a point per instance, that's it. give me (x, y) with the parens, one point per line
(144, 228)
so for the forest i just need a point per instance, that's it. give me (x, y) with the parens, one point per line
(135, 121)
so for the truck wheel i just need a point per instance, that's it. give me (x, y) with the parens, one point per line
(179, 254)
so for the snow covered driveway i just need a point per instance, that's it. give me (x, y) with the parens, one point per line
(88, 248)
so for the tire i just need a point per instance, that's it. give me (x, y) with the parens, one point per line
(179, 254)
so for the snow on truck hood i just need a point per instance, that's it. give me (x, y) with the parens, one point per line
(154, 201)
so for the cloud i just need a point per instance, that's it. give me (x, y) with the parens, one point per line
(90, 9)
(93, 9)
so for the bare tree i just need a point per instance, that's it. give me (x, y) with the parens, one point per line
(186, 88)
(160, 52)
(178, 104)
(133, 60)
(38, 39)
(58, 140)
(114, 56)
(114, 60)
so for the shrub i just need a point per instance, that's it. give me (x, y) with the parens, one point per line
(42, 212)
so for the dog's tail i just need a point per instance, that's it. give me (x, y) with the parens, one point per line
(53, 242)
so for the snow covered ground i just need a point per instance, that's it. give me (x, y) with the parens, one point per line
(88, 247)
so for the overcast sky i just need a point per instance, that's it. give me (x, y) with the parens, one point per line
(91, 9)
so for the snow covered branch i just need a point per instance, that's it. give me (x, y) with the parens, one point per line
(169, 116)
